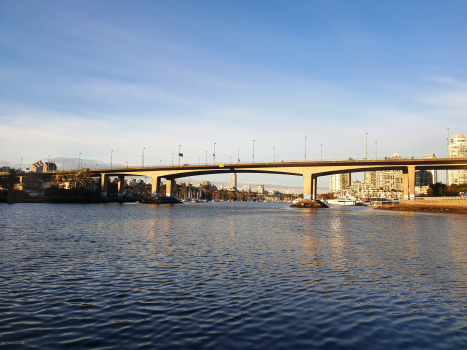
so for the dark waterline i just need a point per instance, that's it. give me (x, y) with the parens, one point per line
(229, 276)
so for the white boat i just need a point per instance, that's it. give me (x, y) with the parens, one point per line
(376, 202)
(342, 201)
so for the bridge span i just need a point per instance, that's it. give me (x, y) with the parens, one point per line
(309, 171)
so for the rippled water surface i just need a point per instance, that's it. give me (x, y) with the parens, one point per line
(230, 276)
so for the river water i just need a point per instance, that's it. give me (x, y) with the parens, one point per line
(230, 276)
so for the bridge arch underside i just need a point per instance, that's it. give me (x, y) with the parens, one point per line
(309, 174)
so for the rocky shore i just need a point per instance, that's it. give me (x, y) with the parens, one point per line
(424, 208)
(314, 203)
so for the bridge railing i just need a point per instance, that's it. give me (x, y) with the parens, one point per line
(450, 198)
(228, 163)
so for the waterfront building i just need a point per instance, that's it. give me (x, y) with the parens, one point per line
(423, 178)
(385, 180)
(40, 167)
(457, 149)
(246, 188)
(261, 189)
(233, 181)
(433, 172)
(338, 182)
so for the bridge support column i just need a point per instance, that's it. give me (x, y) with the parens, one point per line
(309, 186)
(412, 181)
(409, 182)
(104, 185)
(170, 187)
(121, 185)
(156, 187)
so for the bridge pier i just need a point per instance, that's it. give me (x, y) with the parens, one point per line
(170, 187)
(409, 182)
(309, 186)
(104, 185)
(156, 187)
(121, 185)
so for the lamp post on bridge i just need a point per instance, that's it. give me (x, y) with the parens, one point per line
(110, 158)
(214, 154)
(366, 146)
(206, 157)
(179, 154)
(143, 156)
(305, 148)
(253, 151)
(238, 155)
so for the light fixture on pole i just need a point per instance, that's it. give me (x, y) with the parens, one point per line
(305, 149)
(143, 156)
(448, 143)
(253, 151)
(214, 154)
(179, 154)
(366, 146)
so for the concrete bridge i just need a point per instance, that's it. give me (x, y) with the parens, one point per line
(309, 171)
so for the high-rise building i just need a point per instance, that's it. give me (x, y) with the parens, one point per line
(338, 182)
(39, 167)
(457, 149)
(261, 189)
(233, 181)
(386, 180)
(246, 188)
(434, 173)
(423, 177)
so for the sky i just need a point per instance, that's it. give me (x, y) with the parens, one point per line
(79, 79)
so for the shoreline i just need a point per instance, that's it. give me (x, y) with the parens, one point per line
(424, 208)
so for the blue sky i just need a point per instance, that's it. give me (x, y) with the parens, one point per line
(94, 76)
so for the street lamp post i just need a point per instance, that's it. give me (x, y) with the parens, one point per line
(111, 153)
(253, 151)
(305, 149)
(179, 154)
(366, 146)
(238, 155)
(206, 157)
(214, 154)
(448, 143)
(143, 156)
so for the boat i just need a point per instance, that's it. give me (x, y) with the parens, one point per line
(342, 201)
(378, 201)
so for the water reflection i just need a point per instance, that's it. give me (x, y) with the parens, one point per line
(231, 275)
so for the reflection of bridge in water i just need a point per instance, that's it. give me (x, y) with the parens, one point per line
(309, 171)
